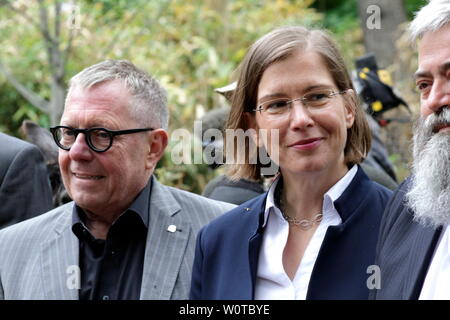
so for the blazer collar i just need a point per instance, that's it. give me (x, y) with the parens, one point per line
(357, 189)
(60, 255)
(253, 212)
(165, 247)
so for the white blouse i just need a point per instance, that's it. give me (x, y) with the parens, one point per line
(272, 282)
(435, 286)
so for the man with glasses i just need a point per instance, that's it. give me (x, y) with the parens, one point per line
(125, 236)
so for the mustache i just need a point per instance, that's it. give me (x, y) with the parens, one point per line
(435, 121)
(425, 129)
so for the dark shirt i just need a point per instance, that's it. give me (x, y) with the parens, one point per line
(112, 269)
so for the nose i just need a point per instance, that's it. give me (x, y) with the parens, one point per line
(437, 99)
(300, 116)
(80, 150)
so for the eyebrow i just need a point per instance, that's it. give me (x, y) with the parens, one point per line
(426, 74)
(271, 96)
(91, 125)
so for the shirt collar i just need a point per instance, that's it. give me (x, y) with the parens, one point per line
(140, 206)
(328, 198)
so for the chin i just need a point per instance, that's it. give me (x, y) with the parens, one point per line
(304, 165)
(87, 201)
(305, 168)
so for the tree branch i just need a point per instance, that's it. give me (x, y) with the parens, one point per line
(44, 21)
(57, 20)
(29, 95)
(68, 49)
(50, 43)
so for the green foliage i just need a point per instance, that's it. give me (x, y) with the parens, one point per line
(411, 6)
(192, 47)
(401, 167)
(341, 18)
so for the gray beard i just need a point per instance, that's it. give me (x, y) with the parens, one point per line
(429, 195)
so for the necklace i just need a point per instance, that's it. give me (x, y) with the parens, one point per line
(303, 224)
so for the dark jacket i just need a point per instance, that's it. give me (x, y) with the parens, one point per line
(404, 250)
(25, 189)
(227, 251)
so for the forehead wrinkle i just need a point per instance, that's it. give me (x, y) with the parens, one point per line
(101, 118)
(444, 67)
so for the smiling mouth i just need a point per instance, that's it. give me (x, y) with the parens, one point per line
(305, 142)
(87, 177)
(441, 126)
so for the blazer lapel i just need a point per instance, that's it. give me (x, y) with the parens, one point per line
(421, 253)
(253, 255)
(254, 230)
(60, 255)
(166, 244)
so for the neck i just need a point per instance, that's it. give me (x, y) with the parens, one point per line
(99, 225)
(302, 195)
(100, 218)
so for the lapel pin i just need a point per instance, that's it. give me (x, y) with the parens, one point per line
(172, 228)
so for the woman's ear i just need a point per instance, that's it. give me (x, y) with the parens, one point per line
(350, 108)
(250, 120)
(157, 142)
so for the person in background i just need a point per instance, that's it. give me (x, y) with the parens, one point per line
(313, 234)
(221, 187)
(413, 250)
(377, 165)
(24, 183)
(125, 236)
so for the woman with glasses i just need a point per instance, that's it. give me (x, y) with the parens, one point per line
(313, 234)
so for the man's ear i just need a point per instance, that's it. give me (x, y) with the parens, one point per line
(158, 140)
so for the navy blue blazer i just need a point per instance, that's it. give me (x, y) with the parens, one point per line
(227, 249)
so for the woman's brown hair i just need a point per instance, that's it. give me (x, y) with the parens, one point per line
(276, 46)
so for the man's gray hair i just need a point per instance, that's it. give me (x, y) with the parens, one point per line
(149, 99)
(431, 17)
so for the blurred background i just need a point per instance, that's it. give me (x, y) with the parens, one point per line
(192, 47)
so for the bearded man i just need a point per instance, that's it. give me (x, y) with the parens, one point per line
(413, 252)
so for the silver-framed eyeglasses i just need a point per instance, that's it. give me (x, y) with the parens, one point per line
(98, 139)
(314, 100)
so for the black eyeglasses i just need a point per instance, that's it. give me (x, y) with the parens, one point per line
(98, 139)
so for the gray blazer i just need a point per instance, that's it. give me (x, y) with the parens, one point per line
(39, 257)
(25, 190)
